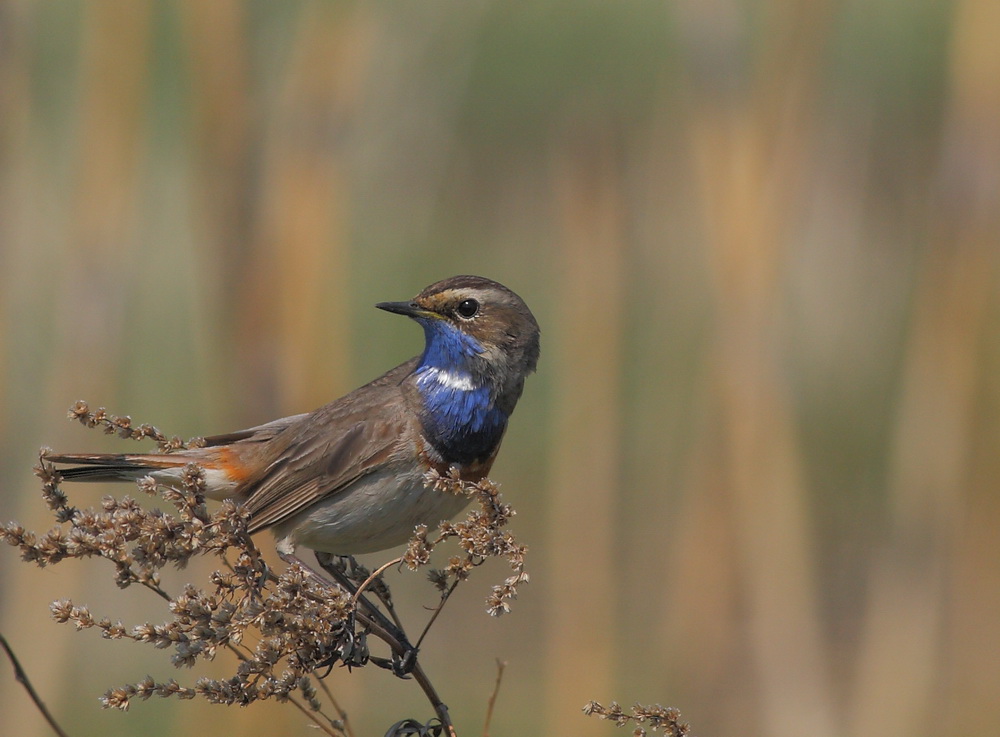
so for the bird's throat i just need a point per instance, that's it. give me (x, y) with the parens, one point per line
(460, 415)
(460, 418)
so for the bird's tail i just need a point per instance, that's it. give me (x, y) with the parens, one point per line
(114, 466)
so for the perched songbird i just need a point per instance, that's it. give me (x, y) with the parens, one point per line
(349, 477)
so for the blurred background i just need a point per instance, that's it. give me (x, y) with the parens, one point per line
(757, 470)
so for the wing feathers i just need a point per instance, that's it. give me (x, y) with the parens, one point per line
(295, 482)
(256, 434)
(282, 467)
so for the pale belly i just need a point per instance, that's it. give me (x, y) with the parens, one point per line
(377, 512)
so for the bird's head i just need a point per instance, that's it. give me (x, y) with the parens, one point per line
(477, 326)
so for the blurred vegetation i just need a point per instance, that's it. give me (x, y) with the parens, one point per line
(757, 469)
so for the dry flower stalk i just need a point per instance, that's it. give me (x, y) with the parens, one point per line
(655, 718)
(283, 628)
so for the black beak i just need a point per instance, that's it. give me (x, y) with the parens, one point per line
(402, 308)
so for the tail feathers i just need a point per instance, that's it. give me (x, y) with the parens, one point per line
(112, 467)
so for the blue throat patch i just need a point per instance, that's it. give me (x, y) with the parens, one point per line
(459, 417)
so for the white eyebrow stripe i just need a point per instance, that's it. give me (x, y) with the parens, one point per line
(449, 379)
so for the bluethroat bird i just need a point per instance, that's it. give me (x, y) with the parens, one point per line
(350, 476)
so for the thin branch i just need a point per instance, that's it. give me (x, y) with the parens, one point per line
(493, 697)
(378, 572)
(440, 708)
(21, 677)
(311, 716)
(437, 610)
(340, 711)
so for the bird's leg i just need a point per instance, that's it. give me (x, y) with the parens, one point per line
(404, 655)
(353, 650)
(291, 558)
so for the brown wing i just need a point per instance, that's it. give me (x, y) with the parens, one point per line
(327, 450)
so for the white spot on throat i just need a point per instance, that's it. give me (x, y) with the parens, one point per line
(449, 379)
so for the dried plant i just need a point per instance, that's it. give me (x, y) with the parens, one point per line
(285, 630)
(653, 718)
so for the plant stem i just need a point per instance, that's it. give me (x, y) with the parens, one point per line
(21, 677)
(439, 706)
(493, 697)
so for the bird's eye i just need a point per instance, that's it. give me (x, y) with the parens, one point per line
(468, 308)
